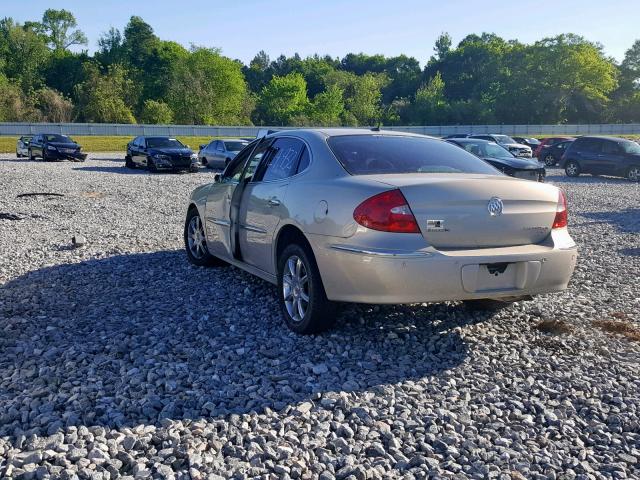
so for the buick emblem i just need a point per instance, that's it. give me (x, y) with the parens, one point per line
(495, 206)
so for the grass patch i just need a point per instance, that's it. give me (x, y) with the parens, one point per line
(556, 327)
(621, 326)
(102, 143)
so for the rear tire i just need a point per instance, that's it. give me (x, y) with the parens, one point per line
(549, 160)
(129, 163)
(633, 174)
(195, 242)
(572, 169)
(301, 294)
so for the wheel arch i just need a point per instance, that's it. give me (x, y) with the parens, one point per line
(287, 234)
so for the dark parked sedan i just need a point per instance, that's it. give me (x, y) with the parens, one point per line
(160, 153)
(51, 146)
(500, 158)
(603, 156)
(552, 154)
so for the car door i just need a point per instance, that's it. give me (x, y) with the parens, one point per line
(34, 145)
(218, 205)
(610, 158)
(221, 155)
(131, 147)
(585, 152)
(263, 204)
(140, 156)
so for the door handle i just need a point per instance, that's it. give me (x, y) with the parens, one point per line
(274, 202)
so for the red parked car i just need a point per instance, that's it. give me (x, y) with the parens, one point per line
(549, 142)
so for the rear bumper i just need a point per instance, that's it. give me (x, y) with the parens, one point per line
(356, 274)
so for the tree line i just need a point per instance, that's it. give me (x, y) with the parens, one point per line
(135, 77)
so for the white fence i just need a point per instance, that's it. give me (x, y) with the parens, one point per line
(111, 129)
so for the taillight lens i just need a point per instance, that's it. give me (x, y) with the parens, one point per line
(387, 212)
(561, 219)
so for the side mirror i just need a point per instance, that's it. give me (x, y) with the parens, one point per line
(217, 177)
(202, 147)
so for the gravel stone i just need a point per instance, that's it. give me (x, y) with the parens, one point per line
(121, 360)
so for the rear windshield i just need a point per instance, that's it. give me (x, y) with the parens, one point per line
(504, 139)
(389, 154)
(486, 149)
(164, 143)
(235, 146)
(630, 147)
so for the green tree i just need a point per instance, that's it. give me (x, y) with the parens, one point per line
(442, 46)
(52, 106)
(327, 108)
(282, 99)
(208, 88)
(56, 24)
(13, 106)
(24, 53)
(155, 112)
(106, 97)
(430, 106)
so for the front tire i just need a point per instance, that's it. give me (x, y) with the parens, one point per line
(31, 157)
(301, 294)
(151, 166)
(572, 169)
(633, 174)
(18, 155)
(128, 162)
(549, 160)
(195, 242)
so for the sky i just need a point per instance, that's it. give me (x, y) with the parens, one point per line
(241, 28)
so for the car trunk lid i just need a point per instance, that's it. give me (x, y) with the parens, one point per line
(453, 211)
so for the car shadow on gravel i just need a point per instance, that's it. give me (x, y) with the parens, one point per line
(626, 221)
(586, 179)
(135, 339)
(130, 171)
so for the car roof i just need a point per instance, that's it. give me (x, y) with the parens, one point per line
(471, 140)
(232, 139)
(602, 137)
(155, 136)
(338, 132)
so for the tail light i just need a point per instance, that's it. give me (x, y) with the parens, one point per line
(561, 219)
(387, 212)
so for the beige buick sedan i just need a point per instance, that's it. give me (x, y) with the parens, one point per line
(347, 215)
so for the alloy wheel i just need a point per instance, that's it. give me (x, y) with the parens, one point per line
(295, 288)
(634, 174)
(196, 238)
(572, 169)
(549, 160)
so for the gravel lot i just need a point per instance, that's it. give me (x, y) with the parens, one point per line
(119, 359)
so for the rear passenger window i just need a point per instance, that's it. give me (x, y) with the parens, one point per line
(283, 162)
(588, 145)
(304, 160)
(611, 148)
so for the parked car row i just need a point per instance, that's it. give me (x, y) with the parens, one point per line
(598, 155)
(517, 149)
(49, 147)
